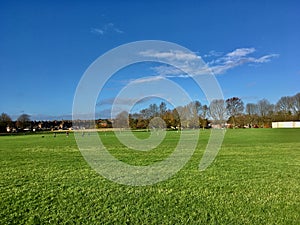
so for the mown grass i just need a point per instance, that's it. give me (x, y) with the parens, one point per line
(255, 179)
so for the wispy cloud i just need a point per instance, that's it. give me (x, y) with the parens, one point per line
(147, 79)
(106, 29)
(236, 58)
(219, 62)
(170, 55)
(123, 101)
(213, 53)
(190, 63)
(240, 52)
(166, 71)
(97, 31)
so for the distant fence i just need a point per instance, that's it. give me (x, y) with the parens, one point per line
(289, 124)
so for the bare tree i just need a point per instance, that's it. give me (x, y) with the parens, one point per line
(122, 120)
(150, 112)
(296, 105)
(218, 112)
(23, 121)
(194, 109)
(162, 108)
(235, 107)
(183, 115)
(264, 107)
(284, 106)
(265, 111)
(5, 121)
(197, 106)
(154, 110)
(251, 109)
(251, 113)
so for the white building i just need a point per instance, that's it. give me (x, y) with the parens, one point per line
(288, 124)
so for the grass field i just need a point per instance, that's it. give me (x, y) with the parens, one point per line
(255, 179)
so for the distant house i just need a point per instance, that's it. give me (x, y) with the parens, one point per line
(287, 124)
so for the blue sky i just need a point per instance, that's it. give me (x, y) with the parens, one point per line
(253, 47)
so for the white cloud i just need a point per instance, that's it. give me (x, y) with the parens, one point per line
(190, 64)
(266, 58)
(118, 30)
(122, 101)
(236, 58)
(213, 53)
(170, 71)
(166, 71)
(147, 79)
(240, 52)
(107, 28)
(97, 31)
(170, 55)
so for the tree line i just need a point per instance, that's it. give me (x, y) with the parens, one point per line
(231, 112)
(24, 123)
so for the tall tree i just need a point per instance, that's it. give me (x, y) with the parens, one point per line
(204, 110)
(154, 110)
(284, 107)
(251, 113)
(296, 105)
(251, 109)
(176, 117)
(235, 107)
(162, 108)
(265, 111)
(193, 109)
(198, 106)
(217, 111)
(145, 113)
(150, 112)
(5, 121)
(182, 113)
(122, 120)
(23, 121)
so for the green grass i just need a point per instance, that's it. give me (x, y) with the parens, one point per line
(255, 179)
